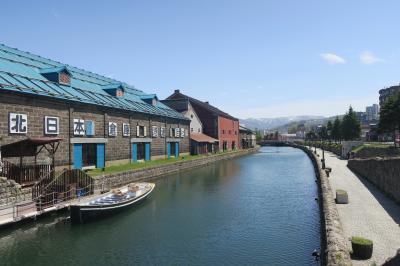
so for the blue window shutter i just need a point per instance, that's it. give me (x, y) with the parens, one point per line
(147, 152)
(77, 156)
(177, 149)
(100, 162)
(169, 150)
(89, 126)
(134, 152)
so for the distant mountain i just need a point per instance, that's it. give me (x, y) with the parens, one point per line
(274, 123)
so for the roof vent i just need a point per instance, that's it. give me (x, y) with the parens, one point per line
(60, 75)
(177, 91)
(207, 102)
(150, 99)
(114, 89)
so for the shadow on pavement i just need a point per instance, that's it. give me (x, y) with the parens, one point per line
(390, 206)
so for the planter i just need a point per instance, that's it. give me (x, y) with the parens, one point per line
(341, 197)
(362, 247)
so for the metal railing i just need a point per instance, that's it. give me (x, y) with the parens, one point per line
(32, 208)
(24, 174)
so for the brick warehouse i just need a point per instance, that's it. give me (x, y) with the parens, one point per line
(101, 121)
(216, 123)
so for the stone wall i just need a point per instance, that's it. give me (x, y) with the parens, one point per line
(123, 178)
(334, 241)
(383, 172)
(11, 192)
(369, 152)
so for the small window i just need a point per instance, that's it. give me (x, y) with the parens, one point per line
(64, 78)
(119, 93)
(191, 129)
(191, 116)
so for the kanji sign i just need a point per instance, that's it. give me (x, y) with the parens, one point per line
(154, 131)
(18, 123)
(177, 132)
(112, 129)
(126, 130)
(79, 127)
(162, 132)
(182, 132)
(51, 125)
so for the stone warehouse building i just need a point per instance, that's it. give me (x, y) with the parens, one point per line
(215, 123)
(101, 121)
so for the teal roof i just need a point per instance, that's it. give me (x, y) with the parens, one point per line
(22, 72)
(55, 70)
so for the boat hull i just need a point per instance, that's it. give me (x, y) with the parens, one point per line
(85, 213)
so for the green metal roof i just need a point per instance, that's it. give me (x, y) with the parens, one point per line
(22, 72)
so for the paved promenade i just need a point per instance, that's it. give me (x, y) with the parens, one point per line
(369, 214)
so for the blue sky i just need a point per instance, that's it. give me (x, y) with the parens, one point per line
(250, 58)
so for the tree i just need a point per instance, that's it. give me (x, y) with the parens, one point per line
(292, 129)
(336, 130)
(258, 135)
(389, 120)
(322, 132)
(311, 135)
(276, 135)
(329, 127)
(351, 128)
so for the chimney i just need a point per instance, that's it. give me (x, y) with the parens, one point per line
(176, 91)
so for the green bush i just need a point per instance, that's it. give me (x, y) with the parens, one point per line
(361, 241)
(362, 247)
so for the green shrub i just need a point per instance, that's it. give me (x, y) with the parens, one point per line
(361, 241)
(362, 247)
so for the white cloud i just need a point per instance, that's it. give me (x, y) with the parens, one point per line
(333, 59)
(369, 58)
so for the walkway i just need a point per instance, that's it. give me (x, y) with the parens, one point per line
(369, 214)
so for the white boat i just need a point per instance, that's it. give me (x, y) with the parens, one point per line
(109, 203)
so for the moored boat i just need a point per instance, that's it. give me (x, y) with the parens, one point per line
(114, 201)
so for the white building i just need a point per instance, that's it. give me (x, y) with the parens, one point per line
(372, 112)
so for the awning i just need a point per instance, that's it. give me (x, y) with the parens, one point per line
(26, 147)
(200, 137)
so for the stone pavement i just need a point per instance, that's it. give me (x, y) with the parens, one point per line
(369, 214)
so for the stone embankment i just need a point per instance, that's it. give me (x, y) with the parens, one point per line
(336, 251)
(382, 172)
(120, 179)
(11, 192)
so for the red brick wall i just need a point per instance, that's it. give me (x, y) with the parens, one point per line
(228, 130)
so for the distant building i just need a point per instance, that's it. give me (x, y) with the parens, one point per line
(362, 117)
(215, 123)
(384, 94)
(372, 112)
(247, 137)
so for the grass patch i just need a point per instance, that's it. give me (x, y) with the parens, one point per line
(146, 164)
(372, 145)
(361, 241)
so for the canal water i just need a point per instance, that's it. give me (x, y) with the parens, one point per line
(254, 210)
